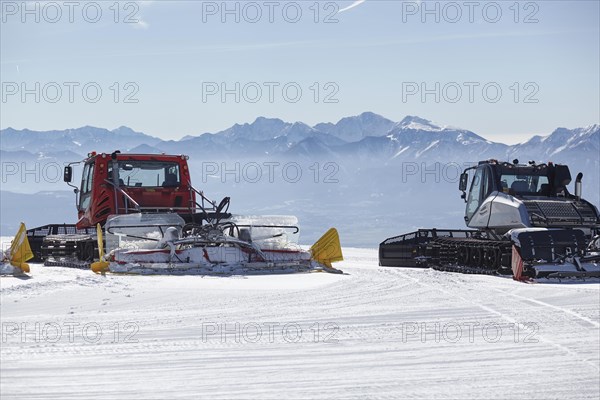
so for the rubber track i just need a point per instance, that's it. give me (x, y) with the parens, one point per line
(449, 255)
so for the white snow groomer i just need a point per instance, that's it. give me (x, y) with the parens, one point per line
(163, 243)
(525, 222)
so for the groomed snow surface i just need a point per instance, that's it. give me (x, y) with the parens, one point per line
(371, 333)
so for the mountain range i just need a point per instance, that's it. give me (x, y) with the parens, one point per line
(367, 137)
(380, 183)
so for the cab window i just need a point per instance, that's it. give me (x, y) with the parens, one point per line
(525, 184)
(149, 174)
(475, 193)
(86, 186)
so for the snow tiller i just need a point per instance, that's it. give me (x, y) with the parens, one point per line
(525, 223)
(155, 221)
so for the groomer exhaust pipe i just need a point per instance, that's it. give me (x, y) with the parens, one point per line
(578, 186)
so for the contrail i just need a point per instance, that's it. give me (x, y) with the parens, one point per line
(355, 4)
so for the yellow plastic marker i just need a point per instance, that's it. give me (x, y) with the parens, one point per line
(20, 250)
(327, 249)
(100, 267)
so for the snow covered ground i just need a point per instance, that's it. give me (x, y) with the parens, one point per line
(374, 332)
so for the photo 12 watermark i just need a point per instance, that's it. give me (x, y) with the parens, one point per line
(54, 12)
(69, 332)
(270, 92)
(453, 12)
(412, 171)
(31, 172)
(469, 332)
(255, 12)
(69, 92)
(270, 172)
(269, 332)
(470, 92)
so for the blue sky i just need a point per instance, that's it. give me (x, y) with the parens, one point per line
(174, 58)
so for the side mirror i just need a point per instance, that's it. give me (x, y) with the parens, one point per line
(464, 179)
(68, 174)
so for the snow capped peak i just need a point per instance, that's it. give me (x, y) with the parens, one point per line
(355, 128)
(418, 123)
(370, 116)
(262, 128)
(126, 131)
(267, 121)
(564, 135)
(589, 129)
(300, 124)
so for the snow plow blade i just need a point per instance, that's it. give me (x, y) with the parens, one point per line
(328, 250)
(159, 244)
(574, 274)
(556, 253)
(100, 267)
(15, 260)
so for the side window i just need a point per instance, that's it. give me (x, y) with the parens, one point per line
(86, 186)
(89, 178)
(84, 175)
(475, 193)
(487, 184)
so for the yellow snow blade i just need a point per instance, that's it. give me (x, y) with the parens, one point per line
(20, 250)
(100, 242)
(327, 249)
(19, 267)
(101, 266)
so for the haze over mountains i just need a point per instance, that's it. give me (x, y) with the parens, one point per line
(367, 135)
(367, 175)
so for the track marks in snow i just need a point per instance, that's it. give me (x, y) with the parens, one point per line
(369, 358)
(507, 315)
(548, 305)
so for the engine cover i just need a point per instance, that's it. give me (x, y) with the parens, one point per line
(561, 213)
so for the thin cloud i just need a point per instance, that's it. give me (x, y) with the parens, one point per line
(351, 6)
(218, 48)
(457, 37)
(141, 24)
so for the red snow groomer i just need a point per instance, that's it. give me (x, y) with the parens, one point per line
(175, 229)
(117, 183)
